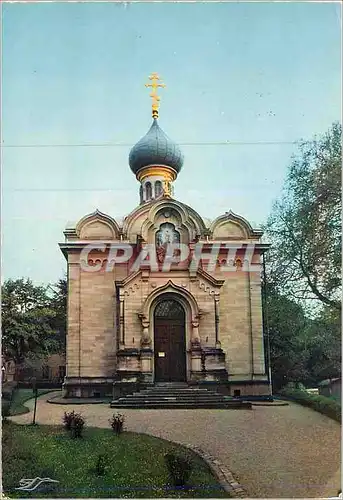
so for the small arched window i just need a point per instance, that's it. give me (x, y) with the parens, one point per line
(141, 194)
(158, 188)
(148, 191)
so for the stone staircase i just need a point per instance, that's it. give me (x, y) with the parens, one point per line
(180, 396)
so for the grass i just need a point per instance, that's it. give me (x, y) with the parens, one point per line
(135, 466)
(20, 396)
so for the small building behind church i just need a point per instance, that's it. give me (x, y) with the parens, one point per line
(331, 388)
(164, 296)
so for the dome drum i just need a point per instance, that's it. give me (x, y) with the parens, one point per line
(167, 173)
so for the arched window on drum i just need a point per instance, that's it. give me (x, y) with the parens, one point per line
(148, 191)
(158, 189)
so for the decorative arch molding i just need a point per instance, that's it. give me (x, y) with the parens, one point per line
(209, 284)
(130, 290)
(237, 263)
(190, 221)
(151, 227)
(109, 224)
(181, 294)
(133, 216)
(130, 284)
(207, 288)
(239, 221)
(171, 287)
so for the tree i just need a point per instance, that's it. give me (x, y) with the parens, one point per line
(286, 322)
(305, 226)
(302, 349)
(26, 321)
(58, 303)
(324, 345)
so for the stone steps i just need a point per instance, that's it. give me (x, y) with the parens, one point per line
(190, 392)
(233, 405)
(178, 397)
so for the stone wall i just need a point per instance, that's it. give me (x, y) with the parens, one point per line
(73, 322)
(91, 339)
(235, 324)
(241, 326)
(205, 302)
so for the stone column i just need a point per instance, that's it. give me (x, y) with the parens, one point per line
(216, 314)
(121, 321)
(195, 339)
(195, 349)
(145, 337)
(146, 353)
(146, 359)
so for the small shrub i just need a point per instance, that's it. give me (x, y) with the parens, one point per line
(117, 423)
(77, 425)
(68, 419)
(100, 468)
(179, 469)
(74, 422)
(290, 386)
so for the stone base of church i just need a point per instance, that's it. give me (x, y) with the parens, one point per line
(87, 387)
(128, 382)
(250, 388)
(213, 376)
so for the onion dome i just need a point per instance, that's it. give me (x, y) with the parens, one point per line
(155, 148)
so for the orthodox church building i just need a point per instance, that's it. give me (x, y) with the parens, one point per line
(133, 321)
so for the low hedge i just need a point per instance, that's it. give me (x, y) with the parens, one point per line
(6, 394)
(41, 384)
(7, 390)
(5, 408)
(322, 404)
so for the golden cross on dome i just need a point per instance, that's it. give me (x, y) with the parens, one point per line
(154, 77)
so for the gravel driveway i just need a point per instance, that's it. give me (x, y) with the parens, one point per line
(274, 452)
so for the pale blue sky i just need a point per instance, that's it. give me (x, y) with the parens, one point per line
(75, 73)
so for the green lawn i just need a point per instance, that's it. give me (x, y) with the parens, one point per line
(135, 464)
(22, 395)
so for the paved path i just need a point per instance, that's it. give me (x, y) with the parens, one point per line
(274, 452)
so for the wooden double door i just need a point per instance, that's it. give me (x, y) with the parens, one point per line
(169, 341)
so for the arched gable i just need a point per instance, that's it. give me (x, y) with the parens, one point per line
(232, 226)
(132, 222)
(97, 226)
(146, 219)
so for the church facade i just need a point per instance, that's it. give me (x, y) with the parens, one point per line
(163, 296)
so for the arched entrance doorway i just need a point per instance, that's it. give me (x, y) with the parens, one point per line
(169, 341)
